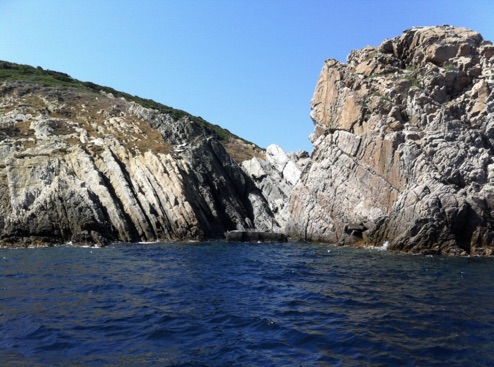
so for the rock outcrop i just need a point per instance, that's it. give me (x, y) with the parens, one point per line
(275, 177)
(87, 167)
(403, 158)
(403, 147)
(255, 236)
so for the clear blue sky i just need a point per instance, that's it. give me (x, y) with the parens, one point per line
(250, 66)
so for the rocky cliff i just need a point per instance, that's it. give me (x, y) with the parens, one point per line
(86, 166)
(403, 147)
(275, 176)
(403, 157)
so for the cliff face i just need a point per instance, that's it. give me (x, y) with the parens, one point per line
(403, 146)
(403, 157)
(87, 167)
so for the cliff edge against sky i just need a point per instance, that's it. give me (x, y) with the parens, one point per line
(403, 158)
(403, 147)
(84, 166)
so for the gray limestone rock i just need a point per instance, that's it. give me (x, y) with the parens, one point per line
(91, 169)
(275, 177)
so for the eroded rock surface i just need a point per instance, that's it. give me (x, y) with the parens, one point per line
(403, 146)
(403, 156)
(275, 177)
(90, 168)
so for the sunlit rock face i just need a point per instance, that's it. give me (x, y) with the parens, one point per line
(275, 176)
(90, 168)
(403, 147)
(403, 156)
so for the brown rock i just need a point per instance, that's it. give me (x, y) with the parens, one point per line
(405, 140)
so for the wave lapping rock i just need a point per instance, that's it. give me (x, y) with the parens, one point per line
(403, 146)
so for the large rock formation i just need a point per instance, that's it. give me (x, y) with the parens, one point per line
(403, 146)
(403, 156)
(86, 167)
(275, 177)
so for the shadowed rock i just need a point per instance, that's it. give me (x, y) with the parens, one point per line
(254, 236)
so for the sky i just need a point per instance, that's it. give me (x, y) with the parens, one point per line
(250, 66)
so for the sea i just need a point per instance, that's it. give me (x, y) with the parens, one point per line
(243, 304)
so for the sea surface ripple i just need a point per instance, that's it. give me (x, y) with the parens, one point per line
(221, 304)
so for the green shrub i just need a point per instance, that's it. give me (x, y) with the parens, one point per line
(449, 67)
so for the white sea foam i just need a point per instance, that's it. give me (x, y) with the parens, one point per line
(94, 245)
(384, 247)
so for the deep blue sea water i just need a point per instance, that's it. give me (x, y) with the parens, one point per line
(221, 304)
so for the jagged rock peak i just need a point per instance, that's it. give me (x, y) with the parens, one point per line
(404, 146)
(440, 60)
(437, 45)
(420, 46)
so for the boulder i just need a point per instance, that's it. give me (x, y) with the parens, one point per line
(254, 236)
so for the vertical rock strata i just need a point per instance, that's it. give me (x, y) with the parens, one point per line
(90, 168)
(403, 146)
(275, 177)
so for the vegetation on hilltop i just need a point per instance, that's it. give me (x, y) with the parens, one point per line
(38, 75)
